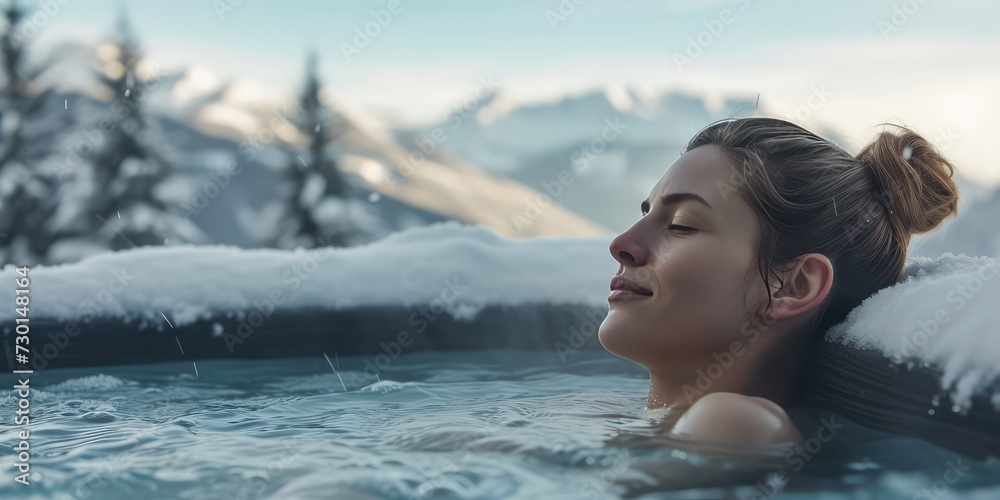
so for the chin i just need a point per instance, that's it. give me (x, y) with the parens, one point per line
(605, 335)
(614, 338)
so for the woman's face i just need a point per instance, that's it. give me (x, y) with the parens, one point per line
(693, 255)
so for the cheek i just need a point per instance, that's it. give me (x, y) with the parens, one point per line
(714, 297)
(699, 308)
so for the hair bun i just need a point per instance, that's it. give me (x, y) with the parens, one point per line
(913, 177)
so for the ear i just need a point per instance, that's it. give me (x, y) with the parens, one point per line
(805, 287)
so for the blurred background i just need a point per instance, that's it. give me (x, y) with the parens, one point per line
(310, 123)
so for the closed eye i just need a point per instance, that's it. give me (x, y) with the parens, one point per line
(676, 227)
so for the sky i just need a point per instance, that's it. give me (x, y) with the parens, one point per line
(930, 64)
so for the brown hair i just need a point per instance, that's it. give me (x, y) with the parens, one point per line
(812, 196)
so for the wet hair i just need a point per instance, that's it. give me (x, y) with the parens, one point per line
(812, 196)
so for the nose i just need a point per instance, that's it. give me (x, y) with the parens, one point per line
(628, 249)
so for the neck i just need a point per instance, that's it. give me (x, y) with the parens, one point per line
(752, 374)
(664, 393)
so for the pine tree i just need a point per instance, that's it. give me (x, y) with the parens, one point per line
(114, 203)
(317, 208)
(27, 127)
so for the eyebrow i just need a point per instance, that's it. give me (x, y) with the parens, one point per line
(673, 198)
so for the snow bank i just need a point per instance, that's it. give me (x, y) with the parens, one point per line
(943, 314)
(462, 267)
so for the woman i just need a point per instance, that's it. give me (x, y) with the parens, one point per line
(759, 238)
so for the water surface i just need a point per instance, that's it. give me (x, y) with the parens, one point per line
(483, 424)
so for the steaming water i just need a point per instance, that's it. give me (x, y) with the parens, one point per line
(484, 424)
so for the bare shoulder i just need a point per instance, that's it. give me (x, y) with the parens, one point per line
(727, 416)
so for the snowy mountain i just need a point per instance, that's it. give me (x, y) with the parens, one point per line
(245, 119)
(615, 144)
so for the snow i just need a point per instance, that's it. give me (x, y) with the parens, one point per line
(465, 267)
(942, 314)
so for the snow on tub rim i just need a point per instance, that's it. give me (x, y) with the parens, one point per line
(463, 266)
(921, 357)
(444, 286)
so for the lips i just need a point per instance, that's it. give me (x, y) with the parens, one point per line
(622, 283)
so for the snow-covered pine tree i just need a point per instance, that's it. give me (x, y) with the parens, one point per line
(318, 208)
(29, 124)
(114, 202)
